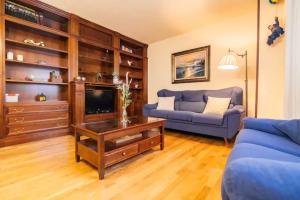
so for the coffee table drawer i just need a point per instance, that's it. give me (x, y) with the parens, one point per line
(149, 143)
(121, 154)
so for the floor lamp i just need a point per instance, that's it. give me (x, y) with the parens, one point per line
(229, 62)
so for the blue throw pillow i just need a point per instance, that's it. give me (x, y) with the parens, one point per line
(291, 128)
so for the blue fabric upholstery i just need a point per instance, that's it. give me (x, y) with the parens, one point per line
(207, 119)
(159, 113)
(181, 115)
(197, 107)
(263, 165)
(193, 95)
(291, 128)
(189, 106)
(169, 93)
(265, 139)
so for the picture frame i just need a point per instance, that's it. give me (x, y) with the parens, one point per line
(191, 65)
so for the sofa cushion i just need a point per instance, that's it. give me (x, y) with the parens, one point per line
(261, 179)
(166, 103)
(248, 150)
(181, 115)
(279, 143)
(291, 128)
(170, 93)
(193, 95)
(207, 119)
(159, 113)
(217, 106)
(235, 93)
(197, 107)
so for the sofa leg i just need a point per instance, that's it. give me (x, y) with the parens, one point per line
(226, 141)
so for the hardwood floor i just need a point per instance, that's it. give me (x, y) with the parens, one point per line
(190, 167)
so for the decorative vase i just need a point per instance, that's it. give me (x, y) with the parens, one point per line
(124, 119)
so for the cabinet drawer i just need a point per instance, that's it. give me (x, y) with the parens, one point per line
(120, 154)
(39, 126)
(149, 143)
(36, 108)
(37, 117)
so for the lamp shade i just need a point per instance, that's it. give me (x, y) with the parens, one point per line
(228, 62)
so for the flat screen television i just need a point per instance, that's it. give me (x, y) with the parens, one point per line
(99, 100)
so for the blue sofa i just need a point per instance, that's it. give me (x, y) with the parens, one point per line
(264, 164)
(189, 105)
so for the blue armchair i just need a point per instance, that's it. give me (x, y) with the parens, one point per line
(263, 165)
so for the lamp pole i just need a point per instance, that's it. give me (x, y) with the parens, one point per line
(244, 55)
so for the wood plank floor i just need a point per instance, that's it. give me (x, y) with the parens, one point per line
(190, 167)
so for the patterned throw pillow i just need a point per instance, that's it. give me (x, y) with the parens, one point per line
(217, 106)
(166, 103)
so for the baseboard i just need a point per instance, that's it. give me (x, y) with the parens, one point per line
(29, 137)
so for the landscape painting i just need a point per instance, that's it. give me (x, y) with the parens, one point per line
(191, 65)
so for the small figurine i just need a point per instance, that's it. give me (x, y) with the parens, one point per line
(277, 31)
(98, 77)
(273, 1)
(41, 97)
(54, 77)
(32, 42)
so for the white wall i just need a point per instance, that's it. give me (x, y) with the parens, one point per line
(238, 34)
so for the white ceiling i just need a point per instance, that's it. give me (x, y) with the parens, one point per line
(153, 20)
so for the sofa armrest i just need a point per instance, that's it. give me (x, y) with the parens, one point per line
(265, 125)
(238, 109)
(233, 118)
(258, 178)
(147, 108)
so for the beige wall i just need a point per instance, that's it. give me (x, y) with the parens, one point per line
(238, 34)
(271, 71)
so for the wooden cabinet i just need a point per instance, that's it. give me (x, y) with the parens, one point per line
(29, 118)
(72, 47)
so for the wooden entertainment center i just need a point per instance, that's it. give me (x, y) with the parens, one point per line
(60, 43)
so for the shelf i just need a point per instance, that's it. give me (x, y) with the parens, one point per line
(131, 54)
(35, 26)
(133, 77)
(33, 82)
(95, 59)
(15, 42)
(133, 88)
(133, 67)
(94, 73)
(35, 64)
(100, 84)
(94, 44)
(38, 103)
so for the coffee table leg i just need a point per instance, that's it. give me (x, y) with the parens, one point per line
(77, 139)
(162, 138)
(101, 157)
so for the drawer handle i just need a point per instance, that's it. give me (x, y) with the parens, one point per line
(151, 142)
(124, 154)
(19, 119)
(19, 130)
(60, 124)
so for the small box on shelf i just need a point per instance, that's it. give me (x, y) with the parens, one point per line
(11, 97)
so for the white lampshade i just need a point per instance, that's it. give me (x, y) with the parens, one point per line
(228, 62)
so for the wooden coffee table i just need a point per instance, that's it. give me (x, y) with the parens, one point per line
(91, 140)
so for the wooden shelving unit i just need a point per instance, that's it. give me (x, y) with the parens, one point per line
(73, 47)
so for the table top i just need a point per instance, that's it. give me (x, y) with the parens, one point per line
(111, 125)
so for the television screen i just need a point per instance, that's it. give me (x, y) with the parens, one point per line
(98, 100)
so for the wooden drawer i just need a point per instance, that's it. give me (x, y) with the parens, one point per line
(36, 117)
(39, 126)
(36, 108)
(121, 154)
(149, 143)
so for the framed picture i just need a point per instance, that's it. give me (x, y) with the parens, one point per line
(191, 65)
